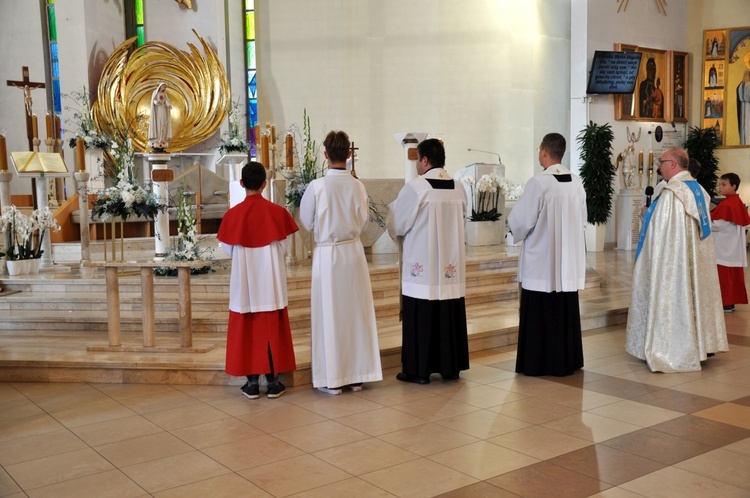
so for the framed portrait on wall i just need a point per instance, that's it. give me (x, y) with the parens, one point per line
(714, 44)
(677, 96)
(737, 89)
(714, 73)
(625, 103)
(651, 85)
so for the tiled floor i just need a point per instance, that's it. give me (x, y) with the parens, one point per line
(612, 430)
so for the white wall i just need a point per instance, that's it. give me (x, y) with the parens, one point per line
(478, 73)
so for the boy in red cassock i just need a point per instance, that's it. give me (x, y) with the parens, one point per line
(728, 222)
(259, 340)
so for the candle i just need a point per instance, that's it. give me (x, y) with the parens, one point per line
(34, 127)
(273, 134)
(264, 150)
(640, 162)
(289, 151)
(257, 140)
(49, 125)
(57, 126)
(80, 155)
(3, 154)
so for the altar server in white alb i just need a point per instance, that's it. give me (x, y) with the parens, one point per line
(345, 349)
(429, 215)
(550, 219)
(675, 319)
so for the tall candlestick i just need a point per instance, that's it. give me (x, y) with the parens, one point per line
(34, 127)
(264, 150)
(273, 134)
(80, 155)
(3, 154)
(640, 162)
(257, 141)
(289, 151)
(49, 125)
(57, 126)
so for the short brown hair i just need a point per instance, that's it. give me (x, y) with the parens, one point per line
(337, 146)
(554, 144)
(732, 178)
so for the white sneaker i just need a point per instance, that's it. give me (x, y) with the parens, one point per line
(356, 387)
(328, 390)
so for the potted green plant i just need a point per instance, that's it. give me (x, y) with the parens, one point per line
(701, 144)
(596, 174)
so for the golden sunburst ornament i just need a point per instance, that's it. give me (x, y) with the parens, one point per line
(660, 4)
(197, 88)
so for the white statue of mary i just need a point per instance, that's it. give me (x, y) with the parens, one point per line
(160, 121)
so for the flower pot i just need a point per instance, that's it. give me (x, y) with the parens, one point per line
(484, 233)
(17, 267)
(34, 265)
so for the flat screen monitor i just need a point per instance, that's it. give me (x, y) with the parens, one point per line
(613, 72)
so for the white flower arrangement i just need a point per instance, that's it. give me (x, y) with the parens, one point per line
(485, 193)
(87, 130)
(307, 169)
(233, 141)
(511, 190)
(22, 228)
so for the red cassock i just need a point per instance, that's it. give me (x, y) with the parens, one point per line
(732, 278)
(254, 338)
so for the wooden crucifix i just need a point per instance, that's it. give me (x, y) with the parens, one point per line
(354, 149)
(26, 85)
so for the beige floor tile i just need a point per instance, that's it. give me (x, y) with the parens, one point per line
(721, 465)
(435, 408)
(418, 478)
(185, 416)
(109, 484)
(483, 460)
(428, 439)
(18, 407)
(392, 392)
(369, 455)
(741, 447)
(170, 472)
(9, 487)
(578, 399)
(482, 374)
(345, 489)
(534, 410)
(671, 481)
(57, 468)
(544, 480)
(540, 442)
(143, 449)
(9, 393)
(252, 452)
(225, 486)
(636, 413)
(39, 446)
(484, 424)
(529, 386)
(238, 405)
(76, 397)
(28, 426)
(339, 406)
(300, 474)
(617, 492)
(217, 432)
(714, 389)
(591, 427)
(282, 418)
(320, 436)
(208, 393)
(729, 413)
(482, 489)
(116, 430)
(160, 401)
(485, 396)
(86, 414)
(128, 391)
(381, 421)
(661, 380)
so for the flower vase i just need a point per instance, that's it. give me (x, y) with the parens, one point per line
(16, 266)
(94, 159)
(484, 233)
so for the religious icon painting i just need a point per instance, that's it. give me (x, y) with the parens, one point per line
(625, 103)
(714, 44)
(737, 89)
(677, 91)
(713, 74)
(651, 86)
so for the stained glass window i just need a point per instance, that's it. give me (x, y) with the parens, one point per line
(54, 62)
(252, 87)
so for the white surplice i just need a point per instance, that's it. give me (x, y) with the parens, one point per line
(730, 243)
(675, 317)
(344, 333)
(266, 291)
(427, 273)
(551, 226)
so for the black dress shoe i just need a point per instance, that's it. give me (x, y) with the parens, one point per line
(412, 378)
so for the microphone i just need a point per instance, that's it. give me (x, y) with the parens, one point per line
(649, 193)
(499, 161)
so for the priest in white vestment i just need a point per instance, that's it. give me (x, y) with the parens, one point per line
(345, 350)
(429, 216)
(676, 319)
(550, 219)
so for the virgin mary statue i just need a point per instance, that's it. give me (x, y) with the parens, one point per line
(160, 121)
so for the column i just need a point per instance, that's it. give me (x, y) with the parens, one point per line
(161, 192)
